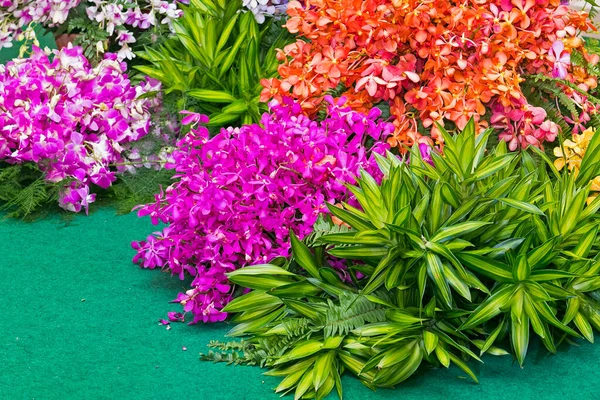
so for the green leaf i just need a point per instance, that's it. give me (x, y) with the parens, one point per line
(251, 301)
(301, 349)
(442, 355)
(489, 341)
(492, 167)
(459, 229)
(550, 275)
(351, 219)
(260, 269)
(486, 266)
(521, 270)
(396, 355)
(430, 341)
(584, 327)
(435, 270)
(586, 242)
(322, 368)
(460, 364)
(304, 257)
(521, 205)
(520, 336)
(489, 308)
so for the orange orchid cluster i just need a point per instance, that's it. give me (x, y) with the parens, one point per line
(432, 60)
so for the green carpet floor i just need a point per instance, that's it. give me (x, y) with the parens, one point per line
(80, 321)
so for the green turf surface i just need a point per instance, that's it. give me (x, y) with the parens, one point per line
(80, 321)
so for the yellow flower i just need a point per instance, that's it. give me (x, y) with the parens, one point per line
(574, 150)
(573, 153)
(595, 188)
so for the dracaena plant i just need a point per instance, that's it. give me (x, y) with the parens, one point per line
(214, 62)
(471, 255)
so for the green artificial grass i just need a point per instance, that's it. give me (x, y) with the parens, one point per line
(80, 321)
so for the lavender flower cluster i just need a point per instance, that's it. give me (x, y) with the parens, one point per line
(119, 17)
(265, 8)
(239, 194)
(16, 14)
(72, 120)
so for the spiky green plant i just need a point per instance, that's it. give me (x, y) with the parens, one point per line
(482, 248)
(214, 62)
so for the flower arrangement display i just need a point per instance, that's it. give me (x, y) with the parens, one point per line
(240, 193)
(16, 14)
(72, 120)
(434, 61)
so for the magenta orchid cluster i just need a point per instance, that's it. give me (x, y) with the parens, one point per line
(240, 193)
(72, 120)
(119, 17)
(16, 14)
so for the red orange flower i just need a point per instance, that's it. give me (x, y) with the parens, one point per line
(449, 60)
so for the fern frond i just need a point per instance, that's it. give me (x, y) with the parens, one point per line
(353, 312)
(324, 226)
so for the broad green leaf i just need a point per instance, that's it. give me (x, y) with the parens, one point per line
(306, 383)
(457, 283)
(521, 205)
(290, 380)
(442, 355)
(520, 337)
(380, 328)
(322, 368)
(499, 163)
(352, 238)
(435, 270)
(550, 275)
(291, 368)
(260, 282)
(295, 289)
(260, 269)
(351, 219)
(489, 341)
(584, 327)
(462, 365)
(430, 341)
(586, 242)
(456, 230)
(251, 301)
(396, 355)
(489, 308)
(301, 349)
(303, 256)
(402, 371)
(486, 266)
(305, 309)
(226, 33)
(246, 328)
(542, 255)
(573, 212)
(572, 310)
(495, 351)
(546, 312)
(521, 269)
